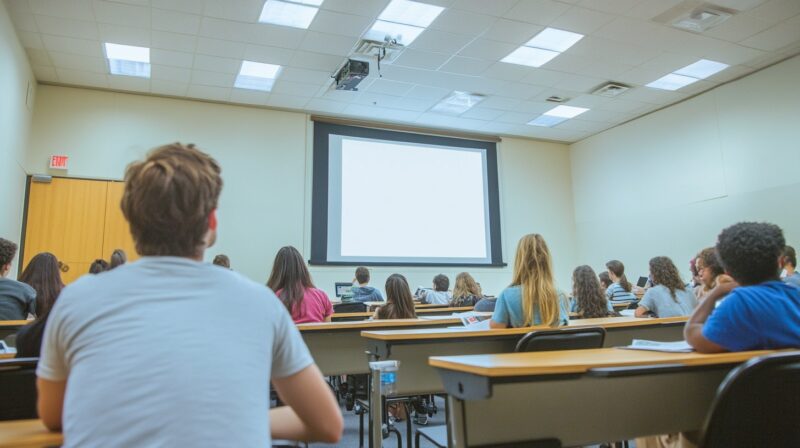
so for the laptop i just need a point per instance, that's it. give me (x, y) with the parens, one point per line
(344, 289)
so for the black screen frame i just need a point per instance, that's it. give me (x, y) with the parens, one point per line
(319, 195)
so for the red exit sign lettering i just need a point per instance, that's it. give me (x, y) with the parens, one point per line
(58, 162)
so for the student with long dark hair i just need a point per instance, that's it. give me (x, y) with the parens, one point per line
(292, 283)
(605, 280)
(620, 289)
(669, 297)
(589, 299)
(399, 301)
(43, 275)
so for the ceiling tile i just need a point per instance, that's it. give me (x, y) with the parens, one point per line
(602, 68)
(566, 62)
(246, 11)
(414, 104)
(648, 9)
(59, 26)
(124, 35)
(427, 93)
(82, 78)
(18, 6)
(167, 73)
(253, 97)
(328, 43)
(515, 118)
(547, 92)
(500, 103)
(540, 12)
(775, 10)
(129, 83)
(533, 108)
(583, 125)
(216, 79)
(286, 87)
(75, 9)
(512, 31)
(316, 61)
(605, 116)
(121, 14)
(610, 6)
(667, 62)
(343, 24)
(173, 41)
(24, 21)
(466, 66)
(38, 57)
(326, 106)
(618, 52)
(225, 29)
(78, 62)
(655, 96)
(175, 21)
(641, 76)
(775, 38)
(507, 72)
(273, 35)
(71, 45)
(588, 101)
(421, 59)
(31, 40)
(171, 88)
(268, 55)
(379, 113)
(44, 73)
(492, 8)
(482, 113)
(491, 50)
(217, 64)
(622, 104)
(579, 83)
(209, 93)
(738, 28)
(387, 87)
(190, 6)
(317, 77)
(286, 101)
(171, 58)
(581, 20)
(462, 22)
(543, 77)
(221, 48)
(367, 8)
(440, 41)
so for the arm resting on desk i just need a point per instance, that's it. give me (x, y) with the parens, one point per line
(312, 414)
(50, 402)
(693, 331)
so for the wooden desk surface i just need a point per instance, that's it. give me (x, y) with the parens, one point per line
(423, 312)
(366, 324)
(446, 333)
(429, 305)
(7, 355)
(27, 433)
(14, 323)
(578, 361)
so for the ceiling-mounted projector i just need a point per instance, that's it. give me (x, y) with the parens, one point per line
(351, 74)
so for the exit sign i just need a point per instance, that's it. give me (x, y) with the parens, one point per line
(58, 162)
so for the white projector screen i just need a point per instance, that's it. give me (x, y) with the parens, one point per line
(396, 199)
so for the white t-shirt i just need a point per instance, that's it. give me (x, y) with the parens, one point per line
(438, 297)
(167, 351)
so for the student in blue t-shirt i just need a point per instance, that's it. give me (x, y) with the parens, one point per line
(759, 310)
(789, 257)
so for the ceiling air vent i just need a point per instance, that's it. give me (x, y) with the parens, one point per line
(611, 89)
(557, 99)
(695, 16)
(387, 52)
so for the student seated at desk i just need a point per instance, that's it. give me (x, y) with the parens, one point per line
(440, 293)
(670, 297)
(118, 258)
(759, 311)
(99, 265)
(709, 271)
(43, 275)
(17, 299)
(362, 292)
(620, 288)
(466, 292)
(791, 276)
(399, 301)
(588, 298)
(532, 298)
(222, 261)
(171, 351)
(292, 283)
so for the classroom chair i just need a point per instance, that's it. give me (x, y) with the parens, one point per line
(18, 388)
(350, 307)
(758, 404)
(569, 339)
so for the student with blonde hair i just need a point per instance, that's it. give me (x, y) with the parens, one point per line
(466, 292)
(532, 297)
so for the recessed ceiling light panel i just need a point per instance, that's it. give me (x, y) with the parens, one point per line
(257, 76)
(702, 69)
(284, 13)
(672, 82)
(457, 103)
(532, 57)
(410, 13)
(554, 39)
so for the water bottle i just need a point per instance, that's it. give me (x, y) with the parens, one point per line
(388, 380)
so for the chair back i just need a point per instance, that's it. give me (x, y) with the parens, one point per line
(568, 339)
(758, 404)
(18, 388)
(350, 307)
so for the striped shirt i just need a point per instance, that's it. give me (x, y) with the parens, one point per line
(617, 293)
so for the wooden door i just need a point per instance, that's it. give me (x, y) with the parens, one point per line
(117, 234)
(66, 217)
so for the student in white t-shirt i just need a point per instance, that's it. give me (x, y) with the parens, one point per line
(440, 293)
(171, 351)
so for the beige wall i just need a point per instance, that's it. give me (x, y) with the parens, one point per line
(666, 184)
(266, 161)
(16, 83)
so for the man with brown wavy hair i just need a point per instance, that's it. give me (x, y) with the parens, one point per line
(171, 351)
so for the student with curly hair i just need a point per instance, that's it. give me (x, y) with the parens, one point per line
(588, 298)
(17, 299)
(466, 292)
(669, 297)
(759, 310)
(709, 271)
(792, 277)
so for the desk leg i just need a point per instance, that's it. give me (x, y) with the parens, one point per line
(454, 418)
(375, 411)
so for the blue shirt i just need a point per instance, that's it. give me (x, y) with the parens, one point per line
(765, 316)
(617, 293)
(366, 294)
(508, 309)
(793, 279)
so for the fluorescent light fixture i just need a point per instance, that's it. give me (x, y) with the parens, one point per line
(532, 57)
(672, 82)
(547, 121)
(292, 14)
(457, 103)
(702, 69)
(565, 111)
(403, 34)
(556, 115)
(257, 76)
(410, 13)
(554, 39)
(128, 60)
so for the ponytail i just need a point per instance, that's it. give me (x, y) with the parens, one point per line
(626, 285)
